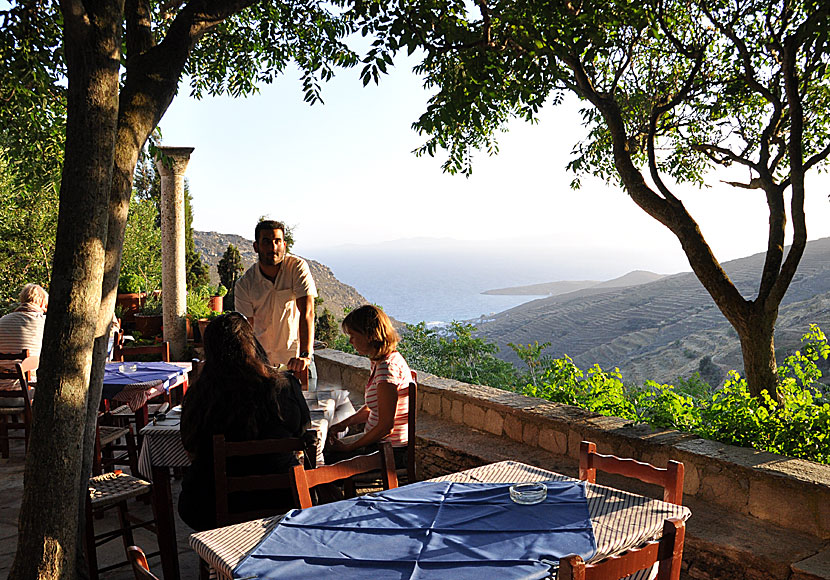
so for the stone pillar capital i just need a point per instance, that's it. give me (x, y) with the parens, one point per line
(175, 160)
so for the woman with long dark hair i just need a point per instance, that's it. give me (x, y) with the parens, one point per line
(241, 396)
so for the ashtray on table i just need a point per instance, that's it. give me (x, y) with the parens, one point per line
(528, 493)
(127, 367)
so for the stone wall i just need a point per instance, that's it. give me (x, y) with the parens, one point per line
(788, 498)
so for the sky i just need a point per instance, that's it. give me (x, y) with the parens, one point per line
(343, 173)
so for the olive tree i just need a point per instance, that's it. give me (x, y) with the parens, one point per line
(672, 90)
(118, 65)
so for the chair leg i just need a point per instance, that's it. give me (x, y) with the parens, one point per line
(204, 570)
(89, 543)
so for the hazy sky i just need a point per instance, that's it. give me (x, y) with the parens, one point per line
(343, 173)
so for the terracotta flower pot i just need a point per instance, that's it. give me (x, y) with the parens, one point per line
(216, 303)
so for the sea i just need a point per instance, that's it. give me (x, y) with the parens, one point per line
(423, 281)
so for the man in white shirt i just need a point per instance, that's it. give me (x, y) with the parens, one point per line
(276, 295)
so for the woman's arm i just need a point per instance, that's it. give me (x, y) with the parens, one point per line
(387, 405)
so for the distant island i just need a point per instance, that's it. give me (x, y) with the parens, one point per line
(634, 278)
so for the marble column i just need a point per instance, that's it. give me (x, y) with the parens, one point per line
(171, 165)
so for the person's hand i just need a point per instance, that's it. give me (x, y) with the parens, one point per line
(298, 364)
(335, 444)
(337, 428)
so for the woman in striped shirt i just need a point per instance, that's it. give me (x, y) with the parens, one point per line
(387, 393)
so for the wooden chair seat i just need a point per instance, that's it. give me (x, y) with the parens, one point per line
(113, 490)
(114, 446)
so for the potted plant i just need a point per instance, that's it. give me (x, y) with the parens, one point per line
(198, 308)
(148, 320)
(217, 298)
(129, 296)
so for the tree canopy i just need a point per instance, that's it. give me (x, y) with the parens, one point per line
(671, 91)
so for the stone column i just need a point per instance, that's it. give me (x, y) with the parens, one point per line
(171, 165)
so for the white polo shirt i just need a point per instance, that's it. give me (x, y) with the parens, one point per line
(273, 306)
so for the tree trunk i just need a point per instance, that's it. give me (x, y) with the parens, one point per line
(48, 522)
(758, 349)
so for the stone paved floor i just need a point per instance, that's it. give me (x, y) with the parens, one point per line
(11, 493)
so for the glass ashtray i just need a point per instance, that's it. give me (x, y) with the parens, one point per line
(528, 493)
(127, 367)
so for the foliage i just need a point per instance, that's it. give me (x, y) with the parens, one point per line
(219, 290)
(152, 304)
(230, 266)
(326, 327)
(198, 303)
(797, 426)
(28, 221)
(142, 245)
(671, 89)
(454, 353)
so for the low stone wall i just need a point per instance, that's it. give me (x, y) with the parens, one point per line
(763, 488)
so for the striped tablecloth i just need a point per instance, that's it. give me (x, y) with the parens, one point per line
(136, 394)
(162, 444)
(621, 520)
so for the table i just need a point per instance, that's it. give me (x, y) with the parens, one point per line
(136, 388)
(162, 448)
(620, 519)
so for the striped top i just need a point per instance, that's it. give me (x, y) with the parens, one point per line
(21, 329)
(392, 369)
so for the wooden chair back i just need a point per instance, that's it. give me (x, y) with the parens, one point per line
(16, 417)
(16, 356)
(228, 484)
(669, 478)
(162, 349)
(303, 480)
(138, 560)
(411, 475)
(667, 552)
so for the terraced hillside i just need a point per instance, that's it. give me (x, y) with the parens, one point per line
(666, 328)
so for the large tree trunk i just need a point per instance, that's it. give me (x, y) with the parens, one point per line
(758, 348)
(48, 522)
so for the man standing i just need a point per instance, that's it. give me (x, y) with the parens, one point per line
(276, 295)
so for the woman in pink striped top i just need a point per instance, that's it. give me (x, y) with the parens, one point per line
(387, 392)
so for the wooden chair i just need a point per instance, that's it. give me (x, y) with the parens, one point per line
(161, 349)
(667, 553)
(139, 563)
(110, 450)
(303, 480)
(113, 490)
(228, 484)
(411, 475)
(13, 415)
(669, 478)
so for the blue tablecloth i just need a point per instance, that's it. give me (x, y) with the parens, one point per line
(428, 530)
(146, 372)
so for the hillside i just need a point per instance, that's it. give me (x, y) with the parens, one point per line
(336, 295)
(666, 328)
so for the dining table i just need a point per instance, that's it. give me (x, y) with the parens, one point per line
(463, 541)
(162, 450)
(135, 383)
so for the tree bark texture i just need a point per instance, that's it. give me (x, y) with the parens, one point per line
(48, 522)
